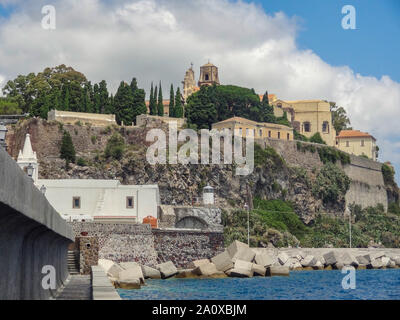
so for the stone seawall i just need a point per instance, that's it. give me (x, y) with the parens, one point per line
(367, 185)
(131, 242)
(33, 237)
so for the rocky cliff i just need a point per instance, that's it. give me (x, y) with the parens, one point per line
(288, 176)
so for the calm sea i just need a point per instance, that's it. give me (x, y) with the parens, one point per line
(301, 285)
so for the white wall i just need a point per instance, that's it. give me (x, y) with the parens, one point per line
(101, 198)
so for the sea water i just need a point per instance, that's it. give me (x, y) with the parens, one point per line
(301, 285)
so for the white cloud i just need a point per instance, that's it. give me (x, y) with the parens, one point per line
(157, 39)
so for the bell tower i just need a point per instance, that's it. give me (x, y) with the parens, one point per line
(208, 75)
(189, 83)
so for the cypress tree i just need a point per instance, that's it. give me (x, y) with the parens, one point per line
(67, 151)
(66, 105)
(103, 98)
(160, 107)
(155, 101)
(178, 104)
(151, 105)
(123, 104)
(172, 102)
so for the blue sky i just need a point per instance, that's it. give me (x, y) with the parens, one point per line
(372, 49)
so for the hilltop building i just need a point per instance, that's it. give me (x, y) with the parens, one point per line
(208, 77)
(357, 143)
(308, 117)
(88, 199)
(260, 130)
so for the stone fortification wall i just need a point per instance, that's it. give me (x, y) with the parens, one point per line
(367, 186)
(32, 236)
(131, 242)
(95, 119)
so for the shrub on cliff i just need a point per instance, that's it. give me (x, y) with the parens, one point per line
(115, 147)
(316, 138)
(67, 151)
(331, 184)
(267, 157)
(388, 174)
(332, 155)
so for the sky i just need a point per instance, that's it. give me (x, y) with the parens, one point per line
(295, 49)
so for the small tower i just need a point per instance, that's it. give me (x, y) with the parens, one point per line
(189, 84)
(208, 75)
(208, 196)
(28, 157)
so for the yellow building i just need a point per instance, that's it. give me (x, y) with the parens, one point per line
(260, 130)
(308, 117)
(357, 143)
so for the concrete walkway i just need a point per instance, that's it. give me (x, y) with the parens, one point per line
(77, 288)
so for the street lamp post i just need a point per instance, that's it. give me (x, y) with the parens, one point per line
(247, 208)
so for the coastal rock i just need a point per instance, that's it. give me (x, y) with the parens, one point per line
(391, 264)
(223, 261)
(258, 270)
(114, 271)
(265, 260)
(308, 261)
(134, 272)
(167, 269)
(277, 271)
(282, 258)
(330, 258)
(338, 265)
(198, 263)
(150, 273)
(397, 260)
(128, 265)
(245, 265)
(235, 246)
(318, 265)
(186, 273)
(244, 254)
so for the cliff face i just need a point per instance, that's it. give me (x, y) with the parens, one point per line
(290, 180)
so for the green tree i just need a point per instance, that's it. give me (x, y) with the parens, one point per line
(340, 119)
(67, 151)
(66, 99)
(316, 138)
(178, 104)
(139, 100)
(160, 105)
(103, 99)
(200, 109)
(153, 102)
(123, 104)
(115, 147)
(172, 102)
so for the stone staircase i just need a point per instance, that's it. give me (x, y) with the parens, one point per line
(73, 263)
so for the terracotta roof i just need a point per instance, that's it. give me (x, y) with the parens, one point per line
(271, 97)
(354, 134)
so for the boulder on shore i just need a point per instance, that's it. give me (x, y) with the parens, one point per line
(223, 261)
(376, 264)
(277, 271)
(150, 273)
(308, 261)
(362, 260)
(167, 269)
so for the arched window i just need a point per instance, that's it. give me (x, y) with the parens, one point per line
(207, 77)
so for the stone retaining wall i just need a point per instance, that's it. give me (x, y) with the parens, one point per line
(131, 242)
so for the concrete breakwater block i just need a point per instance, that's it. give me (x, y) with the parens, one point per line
(331, 258)
(362, 261)
(105, 264)
(308, 261)
(265, 260)
(114, 271)
(277, 271)
(150, 273)
(206, 270)
(282, 258)
(134, 272)
(240, 273)
(128, 284)
(197, 263)
(167, 269)
(349, 260)
(235, 246)
(223, 261)
(258, 270)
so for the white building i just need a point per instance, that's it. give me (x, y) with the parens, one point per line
(85, 199)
